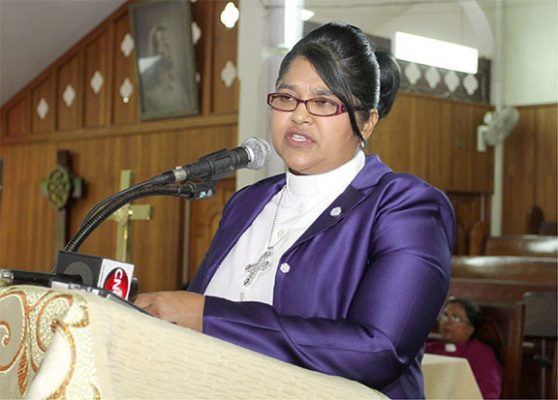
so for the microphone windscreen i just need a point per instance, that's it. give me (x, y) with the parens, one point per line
(259, 151)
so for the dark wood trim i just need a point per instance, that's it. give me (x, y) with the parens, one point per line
(125, 130)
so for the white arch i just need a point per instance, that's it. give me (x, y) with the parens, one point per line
(480, 24)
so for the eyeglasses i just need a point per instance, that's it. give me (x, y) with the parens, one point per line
(453, 318)
(319, 107)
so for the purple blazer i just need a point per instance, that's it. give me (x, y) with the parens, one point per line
(363, 289)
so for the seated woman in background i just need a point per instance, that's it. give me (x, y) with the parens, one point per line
(459, 325)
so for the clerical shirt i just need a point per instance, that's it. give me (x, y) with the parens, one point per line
(282, 221)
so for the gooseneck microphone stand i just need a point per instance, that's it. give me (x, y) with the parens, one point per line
(109, 206)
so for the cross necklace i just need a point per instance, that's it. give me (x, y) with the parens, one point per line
(264, 261)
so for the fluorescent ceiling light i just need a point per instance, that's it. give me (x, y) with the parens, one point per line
(434, 52)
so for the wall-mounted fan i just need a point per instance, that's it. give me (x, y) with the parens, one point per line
(497, 126)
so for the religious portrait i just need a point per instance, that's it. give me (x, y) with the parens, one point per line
(165, 58)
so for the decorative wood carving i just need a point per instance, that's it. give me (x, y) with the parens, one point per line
(224, 49)
(97, 83)
(69, 94)
(125, 93)
(42, 104)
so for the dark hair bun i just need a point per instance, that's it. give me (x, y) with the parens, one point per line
(389, 81)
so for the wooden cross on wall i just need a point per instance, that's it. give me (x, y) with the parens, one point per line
(60, 187)
(125, 215)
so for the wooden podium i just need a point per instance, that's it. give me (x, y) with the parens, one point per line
(71, 344)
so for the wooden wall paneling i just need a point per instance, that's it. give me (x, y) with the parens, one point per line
(469, 208)
(26, 233)
(519, 173)
(204, 221)
(430, 139)
(390, 139)
(95, 162)
(157, 245)
(435, 139)
(546, 174)
(125, 109)
(16, 116)
(530, 167)
(416, 137)
(440, 160)
(162, 247)
(100, 162)
(97, 79)
(196, 142)
(202, 15)
(471, 171)
(69, 80)
(224, 98)
(43, 93)
(205, 214)
(422, 142)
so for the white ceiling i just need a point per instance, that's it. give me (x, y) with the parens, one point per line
(34, 33)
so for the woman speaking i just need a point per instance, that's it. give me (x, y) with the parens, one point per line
(339, 265)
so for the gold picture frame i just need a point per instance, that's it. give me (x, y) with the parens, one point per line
(165, 62)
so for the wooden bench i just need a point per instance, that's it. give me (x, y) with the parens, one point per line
(503, 328)
(494, 290)
(536, 223)
(501, 282)
(522, 245)
(543, 270)
(541, 332)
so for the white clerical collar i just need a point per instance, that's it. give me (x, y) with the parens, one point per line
(331, 181)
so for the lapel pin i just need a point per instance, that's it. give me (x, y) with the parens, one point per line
(335, 212)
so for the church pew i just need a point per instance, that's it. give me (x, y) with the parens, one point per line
(522, 245)
(503, 329)
(537, 225)
(503, 281)
(495, 290)
(542, 270)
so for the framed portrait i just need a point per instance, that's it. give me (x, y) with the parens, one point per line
(165, 61)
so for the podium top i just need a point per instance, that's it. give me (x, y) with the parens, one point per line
(60, 343)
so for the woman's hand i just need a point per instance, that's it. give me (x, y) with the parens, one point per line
(179, 307)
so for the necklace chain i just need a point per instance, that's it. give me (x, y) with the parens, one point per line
(275, 218)
(265, 259)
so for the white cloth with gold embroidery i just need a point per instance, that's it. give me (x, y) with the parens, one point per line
(67, 344)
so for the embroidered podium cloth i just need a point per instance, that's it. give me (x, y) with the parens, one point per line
(70, 344)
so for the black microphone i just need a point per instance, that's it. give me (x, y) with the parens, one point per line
(9, 277)
(17, 277)
(252, 154)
